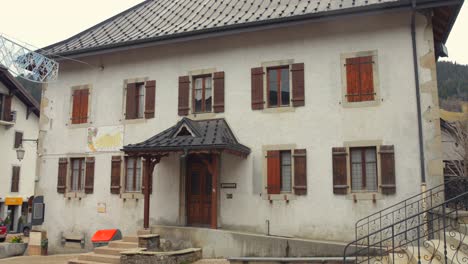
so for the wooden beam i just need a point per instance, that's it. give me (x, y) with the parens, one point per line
(149, 164)
(214, 192)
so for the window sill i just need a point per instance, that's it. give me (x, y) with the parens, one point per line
(202, 116)
(279, 197)
(133, 121)
(75, 195)
(282, 109)
(373, 103)
(364, 196)
(82, 125)
(6, 123)
(132, 195)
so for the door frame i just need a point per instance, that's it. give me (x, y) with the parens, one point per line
(211, 161)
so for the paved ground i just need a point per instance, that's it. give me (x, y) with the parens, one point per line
(54, 259)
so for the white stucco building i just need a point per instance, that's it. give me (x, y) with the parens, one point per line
(19, 120)
(260, 118)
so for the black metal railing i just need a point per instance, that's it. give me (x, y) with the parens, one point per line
(415, 229)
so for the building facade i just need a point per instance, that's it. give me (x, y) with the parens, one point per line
(19, 121)
(296, 129)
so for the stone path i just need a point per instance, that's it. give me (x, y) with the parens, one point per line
(54, 259)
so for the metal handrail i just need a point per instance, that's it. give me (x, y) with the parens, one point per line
(421, 224)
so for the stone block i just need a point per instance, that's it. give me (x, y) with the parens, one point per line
(151, 242)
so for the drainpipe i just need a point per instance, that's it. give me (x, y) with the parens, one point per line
(418, 98)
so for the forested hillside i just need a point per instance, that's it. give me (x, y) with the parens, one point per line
(453, 85)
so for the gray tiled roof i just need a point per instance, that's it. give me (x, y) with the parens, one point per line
(207, 134)
(154, 20)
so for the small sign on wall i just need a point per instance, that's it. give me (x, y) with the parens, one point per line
(101, 208)
(228, 185)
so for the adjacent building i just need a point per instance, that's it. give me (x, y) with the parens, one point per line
(19, 129)
(287, 118)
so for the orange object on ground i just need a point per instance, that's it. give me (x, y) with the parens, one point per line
(103, 235)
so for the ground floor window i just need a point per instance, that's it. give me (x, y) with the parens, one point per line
(363, 169)
(282, 177)
(77, 174)
(133, 177)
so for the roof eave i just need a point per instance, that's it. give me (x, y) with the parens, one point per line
(19, 90)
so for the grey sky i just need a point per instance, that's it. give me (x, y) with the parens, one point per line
(45, 22)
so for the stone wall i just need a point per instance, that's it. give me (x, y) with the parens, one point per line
(175, 257)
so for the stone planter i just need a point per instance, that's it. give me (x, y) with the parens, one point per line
(12, 249)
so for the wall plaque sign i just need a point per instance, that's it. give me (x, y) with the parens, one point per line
(228, 185)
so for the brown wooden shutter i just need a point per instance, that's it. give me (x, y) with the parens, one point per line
(89, 178)
(367, 78)
(340, 179)
(300, 171)
(131, 107)
(7, 108)
(184, 90)
(62, 175)
(18, 139)
(15, 178)
(84, 98)
(218, 104)
(387, 168)
(150, 95)
(298, 94)
(273, 172)
(352, 80)
(115, 174)
(257, 88)
(76, 110)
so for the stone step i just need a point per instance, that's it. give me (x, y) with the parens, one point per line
(100, 258)
(111, 251)
(77, 261)
(122, 244)
(144, 232)
(133, 239)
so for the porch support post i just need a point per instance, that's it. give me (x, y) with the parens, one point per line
(214, 193)
(146, 192)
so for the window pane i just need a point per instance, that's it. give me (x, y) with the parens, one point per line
(356, 170)
(286, 171)
(371, 169)
(272, 87)
(141, 100)
(82, 173)
(285, 86)
(75, 174)
(198, 94)
(138, 176)
(129, 176)
(208, 94)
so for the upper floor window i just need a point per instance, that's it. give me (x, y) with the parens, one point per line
(80, 106)
(202, 94)
(5, 107)
(363, 169)
(140, 100)
(77, 174)
(133, 176)
(278, 86)
(280, 176)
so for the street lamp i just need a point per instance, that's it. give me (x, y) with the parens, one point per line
(20, 150)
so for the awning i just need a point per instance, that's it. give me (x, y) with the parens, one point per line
(213, 135)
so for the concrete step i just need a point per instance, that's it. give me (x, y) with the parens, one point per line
(309, 260)
(77, 261)
(122, 244)
(111, 251)
(426, 257)
(100, 258)
(453, 255)
(457, 240)
(133, 239)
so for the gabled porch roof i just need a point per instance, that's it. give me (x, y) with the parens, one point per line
(191, 135)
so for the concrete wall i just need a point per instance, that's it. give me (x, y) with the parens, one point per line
(8, 159)
(322, 124)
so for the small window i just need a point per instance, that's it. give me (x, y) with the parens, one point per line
(278, 86)
(77, 174)
(202, 94)
(286, 179)
(133, 177)
(135, 106)
(363, 169)
(360, 79)
(80, 106)
(18, 139)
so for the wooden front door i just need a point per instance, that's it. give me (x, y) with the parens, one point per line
(199, 193)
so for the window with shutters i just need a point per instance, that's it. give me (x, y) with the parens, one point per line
(360, 79)
(286, 172)
(18, 139)
(133, 174)
(80, 105)
(140, 99)
(5, 107)
(15, 179)
(278, 86)
(202, 94)
(363, 169)
(77, 174)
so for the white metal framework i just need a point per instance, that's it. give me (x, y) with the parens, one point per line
(26, 63)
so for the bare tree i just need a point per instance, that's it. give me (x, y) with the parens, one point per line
(458, 163)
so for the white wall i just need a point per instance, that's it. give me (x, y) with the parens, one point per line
(322, 124)
(8, 158)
